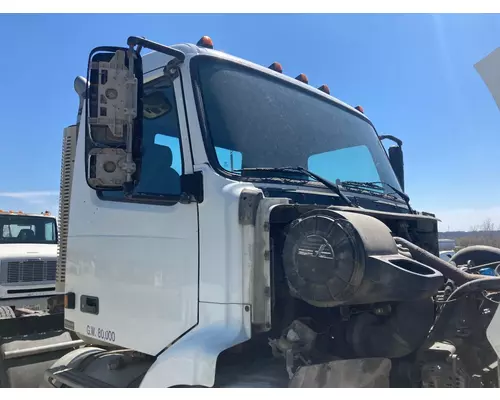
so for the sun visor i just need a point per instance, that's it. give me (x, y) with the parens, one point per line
(489, 70)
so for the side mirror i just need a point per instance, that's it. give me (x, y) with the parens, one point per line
(397, 163)
(115, 81)
(396, 158)
(114, 113)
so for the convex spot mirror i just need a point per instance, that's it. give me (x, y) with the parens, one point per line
(156, 105)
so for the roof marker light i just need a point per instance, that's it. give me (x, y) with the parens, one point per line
(325, 89)
(302, 78)
(360, 109)
(206, 42)
(276, 66)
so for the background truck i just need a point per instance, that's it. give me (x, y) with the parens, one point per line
(224, 225)
(28, 257)
(32, 334)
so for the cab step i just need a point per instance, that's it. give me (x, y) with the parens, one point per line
(73, 378)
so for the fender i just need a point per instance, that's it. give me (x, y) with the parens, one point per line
(192, 360)
(71, 360)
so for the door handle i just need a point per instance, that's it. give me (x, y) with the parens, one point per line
(89, 304)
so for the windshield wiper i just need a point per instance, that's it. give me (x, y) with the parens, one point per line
(330, 185)
(375, 185)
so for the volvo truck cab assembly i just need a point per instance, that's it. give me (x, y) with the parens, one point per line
(225, 225)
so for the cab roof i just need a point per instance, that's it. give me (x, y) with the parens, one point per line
(45, 214)
(154, 61)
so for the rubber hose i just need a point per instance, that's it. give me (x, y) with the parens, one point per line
(448, 270)
(490, 283)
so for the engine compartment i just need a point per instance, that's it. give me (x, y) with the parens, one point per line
(342, 276)
(346, 291)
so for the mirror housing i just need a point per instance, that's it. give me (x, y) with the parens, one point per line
(113, 116)
(397, 163)
(114, 113)
(396, 158)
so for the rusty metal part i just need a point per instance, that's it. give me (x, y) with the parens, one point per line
(443, 375)
(444, 368)
(294, 345)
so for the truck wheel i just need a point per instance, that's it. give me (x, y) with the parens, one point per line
(479, 255)
(6, 312)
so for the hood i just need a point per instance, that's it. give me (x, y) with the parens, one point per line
(489, 70)
(28, 250)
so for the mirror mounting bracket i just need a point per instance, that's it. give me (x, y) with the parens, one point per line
(396, 140)
(141, 43)
(171, 70)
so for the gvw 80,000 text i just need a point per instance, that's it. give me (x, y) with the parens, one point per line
(100, 333)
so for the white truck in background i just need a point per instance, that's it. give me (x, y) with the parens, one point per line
(28, 257)
(32, 332)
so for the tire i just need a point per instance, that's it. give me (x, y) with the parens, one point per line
(6, 312)
(479, 255)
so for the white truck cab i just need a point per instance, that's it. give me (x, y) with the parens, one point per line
(28, 256)
(223, 224)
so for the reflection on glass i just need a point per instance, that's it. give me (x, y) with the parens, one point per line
(347, 164)
(228, 159)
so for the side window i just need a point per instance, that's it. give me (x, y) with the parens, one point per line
(162, 164)
(175, 147)
(49, 231)
(230, 160)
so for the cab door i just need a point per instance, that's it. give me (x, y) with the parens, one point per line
(133, 256)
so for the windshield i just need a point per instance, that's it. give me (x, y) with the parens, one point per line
(253, 120)
(27, 229)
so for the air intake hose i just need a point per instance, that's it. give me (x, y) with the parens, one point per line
(448, 270)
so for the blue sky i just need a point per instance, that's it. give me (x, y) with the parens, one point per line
(413, 74)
